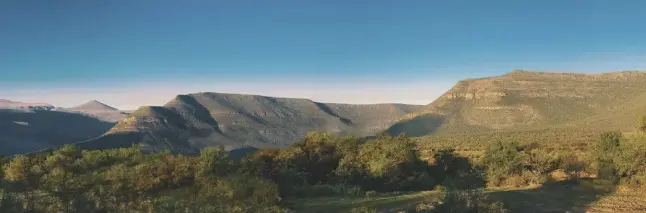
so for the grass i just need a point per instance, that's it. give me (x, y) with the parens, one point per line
(383, 202)
(567, 196)
(631, 201)
(572, 196)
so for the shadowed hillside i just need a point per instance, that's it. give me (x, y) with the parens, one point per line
(28, 131)
(235, 120)
(523, 100)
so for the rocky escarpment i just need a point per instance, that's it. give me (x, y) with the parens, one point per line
(236, 120)
(521, 100)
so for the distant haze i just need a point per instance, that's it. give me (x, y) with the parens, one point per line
(133, 96)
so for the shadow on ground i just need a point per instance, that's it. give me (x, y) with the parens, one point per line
(553, 197)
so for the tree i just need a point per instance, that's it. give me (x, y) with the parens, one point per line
(606, 151)
(213, 162)
(393, 163)
(501, 160)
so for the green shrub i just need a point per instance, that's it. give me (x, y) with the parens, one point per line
(502, 160)
(606, 150)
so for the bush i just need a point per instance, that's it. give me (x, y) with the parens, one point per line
(502, 160)
(607, 149)
(631, 162)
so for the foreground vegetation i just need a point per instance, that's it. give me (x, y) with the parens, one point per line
(127, 180)
(325, 173)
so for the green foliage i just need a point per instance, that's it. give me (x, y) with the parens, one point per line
(606, 151)
(502, 160)
(392, 163)
(631, 162)
(126, 180)
(508, 164)
(383, 164)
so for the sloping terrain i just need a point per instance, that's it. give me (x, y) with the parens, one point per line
(234, 120)
(99, 110)
(29, 127)
(523, 100)
(27, 131)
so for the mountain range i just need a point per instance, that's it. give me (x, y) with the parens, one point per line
(516, 101)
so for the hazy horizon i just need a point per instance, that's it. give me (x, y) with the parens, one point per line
(127, 54)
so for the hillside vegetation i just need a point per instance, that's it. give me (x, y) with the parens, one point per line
(523, 100)
(71, 180)
(194, 121)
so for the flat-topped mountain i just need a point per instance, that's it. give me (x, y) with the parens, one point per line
(523, 100)
(237, 120)
(99, 110)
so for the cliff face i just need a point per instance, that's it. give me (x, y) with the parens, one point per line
(206, 119)
(522, 100)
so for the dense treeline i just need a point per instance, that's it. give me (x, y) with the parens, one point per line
(127, 180)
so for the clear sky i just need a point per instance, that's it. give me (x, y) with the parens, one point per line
(128, 53)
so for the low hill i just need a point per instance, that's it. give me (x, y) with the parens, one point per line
(235, 120)
(524, 100)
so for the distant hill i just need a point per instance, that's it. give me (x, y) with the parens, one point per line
(99, 110)
(524, 100)
(235, 121)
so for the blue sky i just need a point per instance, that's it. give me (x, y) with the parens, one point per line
(131, 53)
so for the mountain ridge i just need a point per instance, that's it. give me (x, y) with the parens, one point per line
(242, 120)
